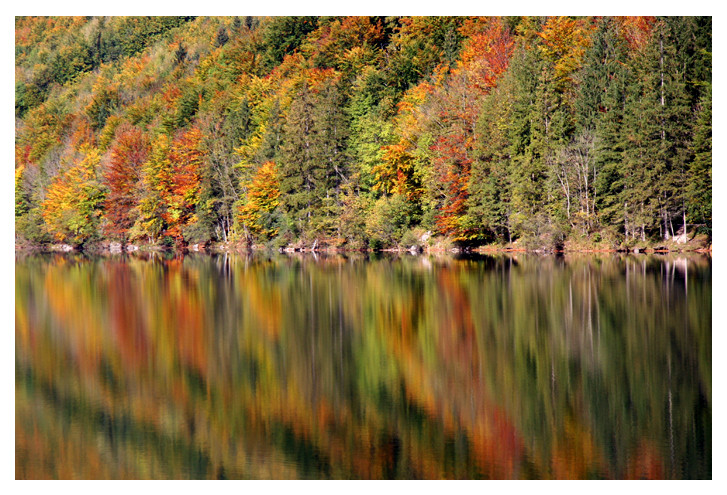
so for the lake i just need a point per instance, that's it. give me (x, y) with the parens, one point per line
(267, 367)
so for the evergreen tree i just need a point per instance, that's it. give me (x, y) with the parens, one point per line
(699, 181)
(222, 37)
(488, 206)
(328, 153)
(657, 125)
(600, 110)
(297, 165)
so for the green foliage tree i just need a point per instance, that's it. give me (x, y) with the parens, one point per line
(699, 181)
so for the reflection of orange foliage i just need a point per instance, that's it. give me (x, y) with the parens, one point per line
(167, 330)
(645, 463)
(265, 302)
(450, 390)
(68, 460)
(574, 453)
(73, 313)
(127, 322)
(187, 316)
(457, 330)
(496, 444)
(22, 326)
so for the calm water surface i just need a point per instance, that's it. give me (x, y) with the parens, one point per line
(355, 367)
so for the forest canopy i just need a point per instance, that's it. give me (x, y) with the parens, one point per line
(363, 132)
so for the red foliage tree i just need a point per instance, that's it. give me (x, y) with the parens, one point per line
(484, 58)
(122, 177)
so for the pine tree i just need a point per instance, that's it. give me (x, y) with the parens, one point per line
(297, 164)
(658, 126)
(600, 111)
(328, 153)
(22, 201)
(488, 206)
(699, 181)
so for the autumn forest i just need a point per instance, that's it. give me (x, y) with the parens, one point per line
(363, 132)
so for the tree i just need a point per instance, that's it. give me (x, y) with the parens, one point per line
(188, 158)
(22, 201)
(599, 110)
(699, 181)
(328, 152)
(488, 205)
(72, 208)
(155, 184)
(257, 211)
(313, 156)
(658, 124)
(222, 37)
(282, 35)
(123, 177)
(454, 109)
(296, 167)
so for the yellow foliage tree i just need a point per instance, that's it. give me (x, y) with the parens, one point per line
(72, 207)
(263, 197)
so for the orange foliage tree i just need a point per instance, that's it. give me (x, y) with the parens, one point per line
(123, 176)
(188, 157)
(171, 180)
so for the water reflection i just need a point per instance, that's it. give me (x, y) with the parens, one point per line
(363, 367)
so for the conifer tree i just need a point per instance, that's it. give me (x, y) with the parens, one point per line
(328, 154)
(297, 181)
(699, 180)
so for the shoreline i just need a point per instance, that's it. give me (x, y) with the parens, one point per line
(221, 248)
